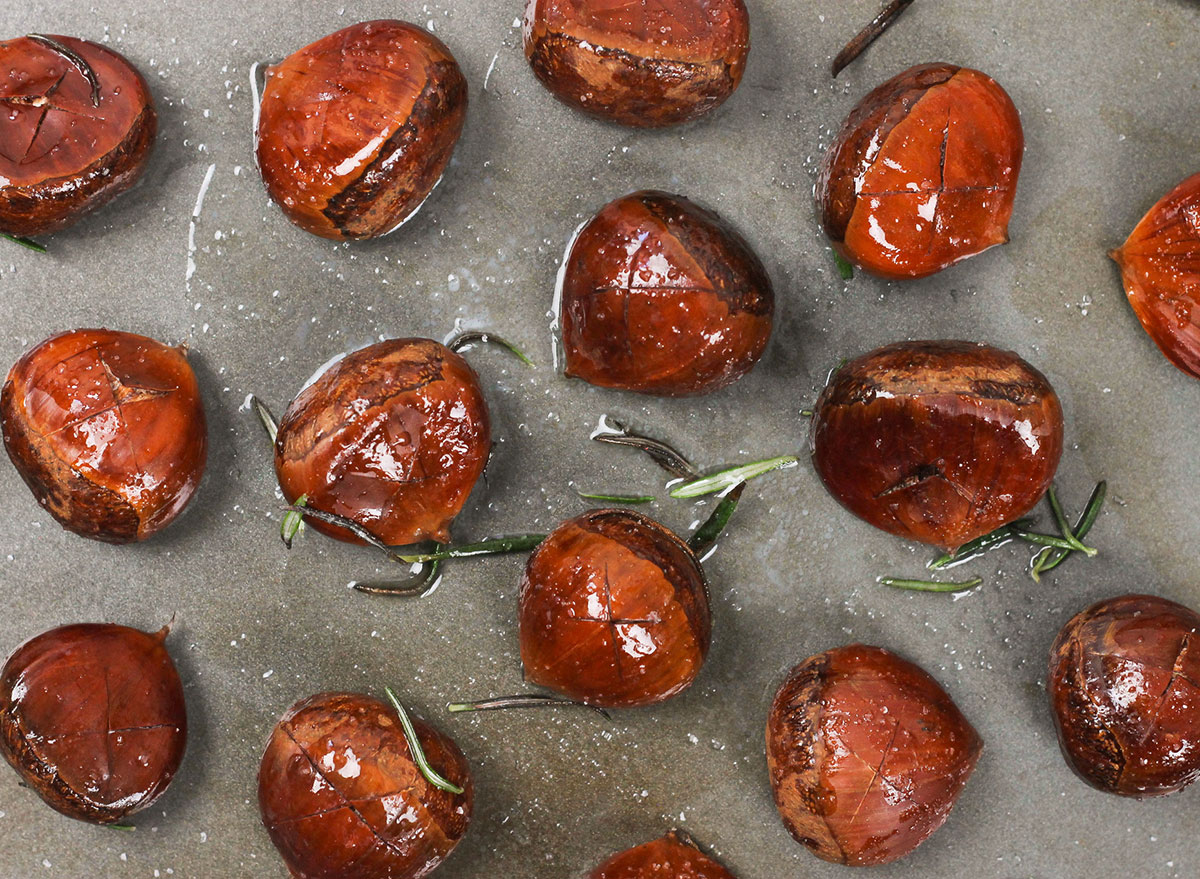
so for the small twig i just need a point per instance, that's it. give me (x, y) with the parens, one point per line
(470, 337)
(417, 752)
(531, 700)
(930, 585)
(77, 61)
(869, 34)
(706, 535)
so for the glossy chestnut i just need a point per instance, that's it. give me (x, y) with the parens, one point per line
(661, 296)
(340, 794)
(923, 173)
(867, 755)
(1160, 266)
(107, 430)
(675, 856)
(68, 145)
(613, 611)
(939, 442)
(393, 436)
(1125, 691)
(639, 64)
(355, 130)
(93, 719)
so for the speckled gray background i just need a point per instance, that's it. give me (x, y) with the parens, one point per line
(1108, 94)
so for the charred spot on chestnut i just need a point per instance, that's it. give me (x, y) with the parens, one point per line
(355, 130)
(923, 173)
(393, 436)
(939, 442)
(92, 717)
(1124, 683)
(866, 754)
(66, 147)
(107, 430)
(1159, 265)
(675, 855)
(660, 296)
(337, 773)
(614, 611)
(639, 64)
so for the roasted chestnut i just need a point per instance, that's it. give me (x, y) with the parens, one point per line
(613, 611)
(76, 127)
(939, 442)
(867, 755)
(92, 717)
(1125, 686)
(641, 64)
(923, 173)
(1160, 264)
(355, 130)
(392, 436)
(661, 296)
(107, 430)
(341, 794)
(675, 856)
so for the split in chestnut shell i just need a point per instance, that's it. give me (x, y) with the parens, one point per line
(107, 430)
(923, 173)
(674, 856)
(355, 130)
(661, 296)
(92, 717)
(939, 442)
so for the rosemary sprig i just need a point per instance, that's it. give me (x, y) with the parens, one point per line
(975, 548)
(869, 34)
(1039, 539)
(706, 535)
(731, 477)
(845, 269)
(662, 454)
(417, 752)
(930, 585)
(1060, 519)
(629, 499)
(293, 521)
(1049, 558)
(531, 700)
(470, 337)
(417, 586)
(24, 242)
(491, 546)
(128, 828)
(270, 425)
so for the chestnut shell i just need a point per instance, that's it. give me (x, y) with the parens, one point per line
(675, 856)
(923, 173)
(661, 296)
(107, 430)
(638, 64)
(61, 155)
(393, 436)
(355, 130)
(939, 442)
(93, 719)
(867, 755)
(613, 611)
(340, 795)
(1124, 687)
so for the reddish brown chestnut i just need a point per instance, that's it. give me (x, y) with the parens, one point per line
(1124, 686)
(76, 127)
(341, 794)
(392, 436)
(107, 430)
(675, 856)
(93, 719)
(867, 755)
(1160, 264)
(641, 64)
(940, 442)
(923, 173)
(355, 130)
(660, 296)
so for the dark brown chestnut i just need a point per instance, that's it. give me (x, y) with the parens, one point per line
(923, 173)
(92, 717)
(640, 64)
(661, 296)
(341, 794)
(1125, 689)
(393, 436)
(1160, 265)
(107, 430)
(939, 442)
(675, 856)
(77, 124)
(355, 130)
(867, 755)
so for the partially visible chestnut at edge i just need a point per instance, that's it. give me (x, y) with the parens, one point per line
(65, 150)
(866, 754)
(661, 296)
(674, 856)
(340, 794)
(355, 130)
(639, 64)
(923, 173)
(92, 717)
(939, 442)
(1124, 686)
(107, 430)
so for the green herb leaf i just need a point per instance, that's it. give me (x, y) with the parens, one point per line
(731, 477)
(980, 545)
(662, 454)
(629, 499)
(412, 587)
(527, 701)
(293, 521)
(417, 752)
(492, 546)
(265, 417)
(1049, 559)
(706, 535)
(930, 585)
(470, 337)
(845, 269)
(24, 242)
